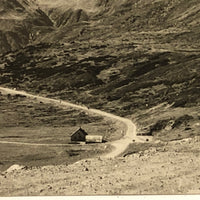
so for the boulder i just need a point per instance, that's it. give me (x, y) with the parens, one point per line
(15, 167)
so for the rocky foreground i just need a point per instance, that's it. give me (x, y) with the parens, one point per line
(172, 168)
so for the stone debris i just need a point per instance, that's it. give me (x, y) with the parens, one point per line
(86, 169)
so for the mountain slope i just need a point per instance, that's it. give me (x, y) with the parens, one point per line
(179, 19)
(127, 58)
(25, 21)
(20, 22)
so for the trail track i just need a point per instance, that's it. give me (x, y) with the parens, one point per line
(119, 145)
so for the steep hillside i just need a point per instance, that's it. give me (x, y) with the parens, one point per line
(179, 18)
(20, 22)
(26, 21)
(133, 58)
(67, 17)
(129, 56)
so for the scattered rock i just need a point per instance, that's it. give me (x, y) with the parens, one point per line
(197, 138)
(50, 187)
(41, 190)
(153, 150)
(136, 155)
(99, 158)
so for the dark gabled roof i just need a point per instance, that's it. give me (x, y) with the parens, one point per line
(80, 129)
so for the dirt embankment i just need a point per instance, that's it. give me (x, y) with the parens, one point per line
(169, 169)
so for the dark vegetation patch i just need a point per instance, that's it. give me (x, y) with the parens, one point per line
(183, 120)
(161, 77)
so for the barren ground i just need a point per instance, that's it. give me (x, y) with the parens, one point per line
(169, 169)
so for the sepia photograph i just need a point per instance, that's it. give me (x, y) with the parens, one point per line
(99, 98)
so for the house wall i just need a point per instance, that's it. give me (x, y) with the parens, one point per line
(78, 136)
(94, 139)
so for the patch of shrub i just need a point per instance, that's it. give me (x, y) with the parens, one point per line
(183, 119)
(161, 124)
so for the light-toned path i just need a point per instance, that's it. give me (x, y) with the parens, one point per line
(119, 146)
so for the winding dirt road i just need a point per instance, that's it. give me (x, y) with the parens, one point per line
(119, 145)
